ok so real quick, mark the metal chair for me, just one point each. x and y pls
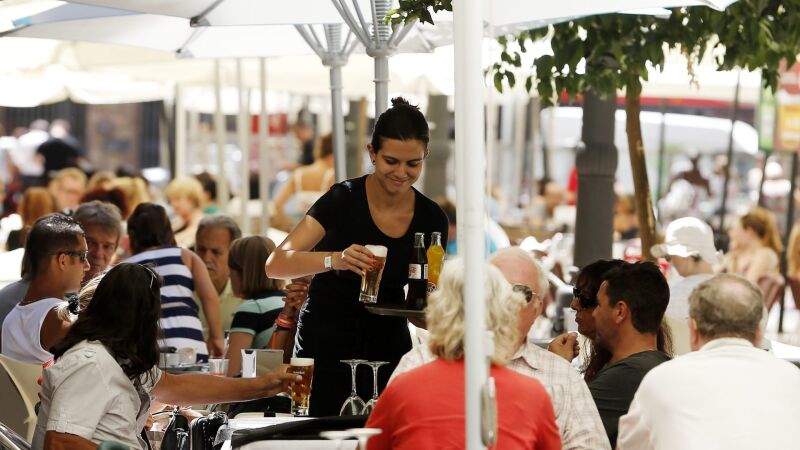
(18, 384)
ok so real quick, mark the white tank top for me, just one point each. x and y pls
(22, 329)
(306, 198)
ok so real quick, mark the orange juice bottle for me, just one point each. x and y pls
(435, 255)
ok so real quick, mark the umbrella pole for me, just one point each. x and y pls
(263, 149)
(381, 85)
(468, 32)
(219, 133)
(180, 134)
(786, 233)
(340, 159)
(244, 146)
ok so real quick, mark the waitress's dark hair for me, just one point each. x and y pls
(123, 315)
(148, 227)
(403, 122)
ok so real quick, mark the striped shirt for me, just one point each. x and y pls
(179, 312)
(256, 317)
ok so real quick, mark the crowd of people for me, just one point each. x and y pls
(109, 282)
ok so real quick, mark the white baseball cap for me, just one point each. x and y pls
(688, 236)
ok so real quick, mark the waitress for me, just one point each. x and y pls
(381, 208)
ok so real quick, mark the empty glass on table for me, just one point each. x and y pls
(374, 400)
(354, 404)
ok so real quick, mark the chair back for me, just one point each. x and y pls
(18, 384)
(9, 440)
(681, 344)
(772, 286)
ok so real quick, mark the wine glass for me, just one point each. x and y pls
(337, 436)
(363, 435)
(374, 400)
(354, 404)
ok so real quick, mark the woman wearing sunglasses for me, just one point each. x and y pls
(584, 302)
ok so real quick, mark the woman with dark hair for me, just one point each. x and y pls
(587, 283)
(381, 208)
(152, 242)
(105, 373)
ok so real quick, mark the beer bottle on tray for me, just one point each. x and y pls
(435, 256)
(417, 275)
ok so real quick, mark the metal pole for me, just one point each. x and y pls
(734, 115)
(180, 134)
(219, 133)
(468, 32)
(243, 129)
(337, 116)
(263, 149)
(381, 85)
(662, 142)
(786, 233)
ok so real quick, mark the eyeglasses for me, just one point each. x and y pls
(153, 274)
(526, 291)
(81, 255)
(586, 302)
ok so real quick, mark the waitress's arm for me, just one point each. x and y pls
(292, 259)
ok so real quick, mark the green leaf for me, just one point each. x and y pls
(498, 81)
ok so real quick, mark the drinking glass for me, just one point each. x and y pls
(217, 366)
(354, 404)
(301, 390)
(371, 280)
(374, 400)
(337, 436)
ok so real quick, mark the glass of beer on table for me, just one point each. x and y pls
(371, 281)
(300, 391)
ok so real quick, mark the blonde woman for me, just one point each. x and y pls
(36, 203)
(754, 245)
(186, 196)
(424, 407)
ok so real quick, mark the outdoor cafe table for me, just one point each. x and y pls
(258, 422)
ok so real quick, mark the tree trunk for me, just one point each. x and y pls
(644, 202)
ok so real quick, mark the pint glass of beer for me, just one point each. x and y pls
(371, 281)
(301, 390)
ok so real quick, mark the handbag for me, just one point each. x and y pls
(204, 431)
(176, 436)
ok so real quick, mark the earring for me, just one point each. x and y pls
(373, 162)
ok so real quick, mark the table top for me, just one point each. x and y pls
(258, 422)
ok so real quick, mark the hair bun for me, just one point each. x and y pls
(399, 101)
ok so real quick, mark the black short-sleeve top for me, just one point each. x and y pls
(344, 214)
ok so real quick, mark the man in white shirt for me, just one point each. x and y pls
(212, 244)
(576, 414)
(689, 247)
(57, 253)
(727, 394)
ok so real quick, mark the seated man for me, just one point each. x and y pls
(102, 223)
(212, 244)
(689, 247)
(727, 393)
(630, 306)
(57, 253)
(576, 415)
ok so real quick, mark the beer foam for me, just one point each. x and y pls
(377, 250)
(302, 362)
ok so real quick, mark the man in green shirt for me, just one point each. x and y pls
(212, 244)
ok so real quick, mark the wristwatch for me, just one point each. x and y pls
(328, 261)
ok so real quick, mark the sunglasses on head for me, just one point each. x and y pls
(585, 302)
(81, 255)
(524, 290)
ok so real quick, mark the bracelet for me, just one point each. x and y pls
(284, 321)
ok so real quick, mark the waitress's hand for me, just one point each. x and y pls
(355, 258)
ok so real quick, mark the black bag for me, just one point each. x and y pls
(204, 431)
(176, 436)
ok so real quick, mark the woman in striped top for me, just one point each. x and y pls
(152, 242)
